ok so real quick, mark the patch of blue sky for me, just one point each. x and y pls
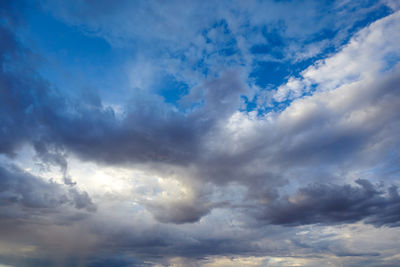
(228, 51)
(324, 34)
(54, 36)
(72, 59)
(221, 25)
(3, 21)
(329, 34)
(370, 17)
(171, 89)
(261, 49)
(391, 60)
(221, 37)
(270, 73)
(248, 105)
(219, 53)
(273, 36)
(202, 67)
(251, 105)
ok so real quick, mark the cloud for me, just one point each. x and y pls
(371, 51)
(187, 31)
(247, 183)
(220, 144)
(329, 203)
(22, 192)
(184, 211)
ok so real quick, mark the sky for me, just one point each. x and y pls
(199, 133)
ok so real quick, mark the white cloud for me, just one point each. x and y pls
(369, 53)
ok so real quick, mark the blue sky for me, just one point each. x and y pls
(199, 133)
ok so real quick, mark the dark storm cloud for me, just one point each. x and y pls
(149, 132)
(20, 191)
(159, 243)
(33, 112)
(116, 261)
(179, 212)
(332, 204)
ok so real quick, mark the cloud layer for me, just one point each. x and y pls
(205, 156)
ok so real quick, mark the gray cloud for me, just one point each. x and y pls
(330, 204)
(23, 192)
(180, 211)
